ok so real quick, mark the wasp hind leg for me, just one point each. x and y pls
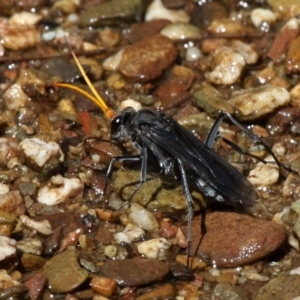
(214, 135)
(190, 209)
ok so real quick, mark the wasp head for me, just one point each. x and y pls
(120, 126)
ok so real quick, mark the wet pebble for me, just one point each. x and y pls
(264, 174)
(211, 100)
(227, 66)
(246, 239)
(287, 8)
(25, 18)
(7, 247)
(36, 285)
(129, 234)
(138, 31)
(285, 286)
(142, 217)
(181, 31)
(14, 97)
(227, 291)
(104, 286)
(112, 63)
(167, 200)
(43, 227)
(37, 153)
(260, 15)
(30, 245)
(154, 248)
(12, 202)
(63, 272)
(134, 272)
(31, 262)
(19, 37)
(253, 103)
(60, 189)
(292, 60)
(7, 223)
(103, 235)
(156, 10)
(109, 12)
(146, 60)
(14, 292)
(164, 291)
(178, 82)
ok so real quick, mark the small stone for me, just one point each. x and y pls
(154, 248)
(131, 233)
(181, 31)
(197, 263)
(7, 247)
(165, 291)
(156, 10)
(292, 61)
(104, 286)
(260, 15)
(37, 152)
(43, 227)
(253, 103)
(30, 245)
(135, 272)
(227, 66)
(130, 103)
(14, 97)
(224, 291)
(147, 59)
(36, 285)
(63, 272)
(112, 63)
(264, 174)
(11, 202)
(25, 18)
(7, 223)
(59, 190)
(287, 8)
(284, 286)
(31, 262)
(142, 217)
(109, 12)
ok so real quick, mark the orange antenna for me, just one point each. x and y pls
(96, 98)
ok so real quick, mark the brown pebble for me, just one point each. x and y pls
(104, 286)
(233, 239)
(135, 272)
(147, 59)
(292, 61)
(36, 285)
(160, 292)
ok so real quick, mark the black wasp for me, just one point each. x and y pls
(177, 151)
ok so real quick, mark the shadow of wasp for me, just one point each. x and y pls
(178, 151)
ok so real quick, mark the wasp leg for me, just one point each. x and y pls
(189, 207)
(110, 168)
(214, 134)
(143, 177)
(214, 131)
(239, 149)
(142, 157)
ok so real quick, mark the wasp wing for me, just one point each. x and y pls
(202, 161)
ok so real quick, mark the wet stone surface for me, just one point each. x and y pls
(63, 272)
(283, 287)
(146, 60)
(136, 272)
(233, 239)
